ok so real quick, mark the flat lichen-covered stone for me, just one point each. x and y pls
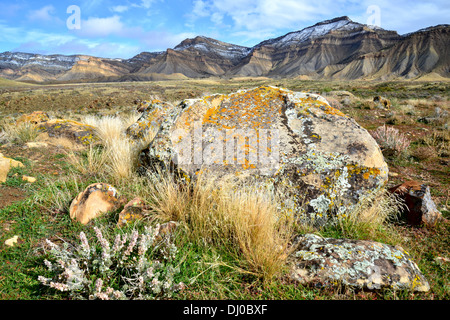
(79, 132)
(318, 158)
(360, 264)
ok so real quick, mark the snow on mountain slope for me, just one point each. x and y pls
(316, 31)
(20, 59)
(212, 46)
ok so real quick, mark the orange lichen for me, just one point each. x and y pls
(254, 108)
(308, 102)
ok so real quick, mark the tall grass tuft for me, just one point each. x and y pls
(370, 218)
(245, 221)
(119, 153)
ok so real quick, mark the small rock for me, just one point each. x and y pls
(95, 200)
(5, 165)
(12, 241)
(420, 208)
(133, 210)
(29, 179)
(36, 145)
(166, 229)
(442, 259)
(392, 174)
(383, 101)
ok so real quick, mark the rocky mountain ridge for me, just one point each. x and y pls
(333, 49)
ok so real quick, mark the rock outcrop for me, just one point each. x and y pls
(316, 157)
(360, 264)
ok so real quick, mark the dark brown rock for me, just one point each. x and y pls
(420, 208)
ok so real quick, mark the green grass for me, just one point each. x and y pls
(211, 269)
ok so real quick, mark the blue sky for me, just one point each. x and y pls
(122, 29)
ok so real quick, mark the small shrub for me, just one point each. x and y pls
(391, 141)
(135, 267)
(424, 152)
(439, 141)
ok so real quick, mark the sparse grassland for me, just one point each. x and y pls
(230, 245)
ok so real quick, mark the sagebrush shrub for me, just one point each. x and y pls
(134, 267)
(390, 139)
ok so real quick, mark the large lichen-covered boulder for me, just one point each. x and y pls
(361, 264)
(80, 133)
(150, 120)
(315, 156)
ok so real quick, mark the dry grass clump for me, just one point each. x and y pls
(23, 132)
(424, 153)
(89, 162)
(246, 221)
(439, 141)
(59, 193)
(118, 155)
(369, 215)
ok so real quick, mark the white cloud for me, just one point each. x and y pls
(146, 4)
(101, 27)
(44, 14)
(260, 16)
(406, 16)
(162, 40)
(119, 9)
(259, 19)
